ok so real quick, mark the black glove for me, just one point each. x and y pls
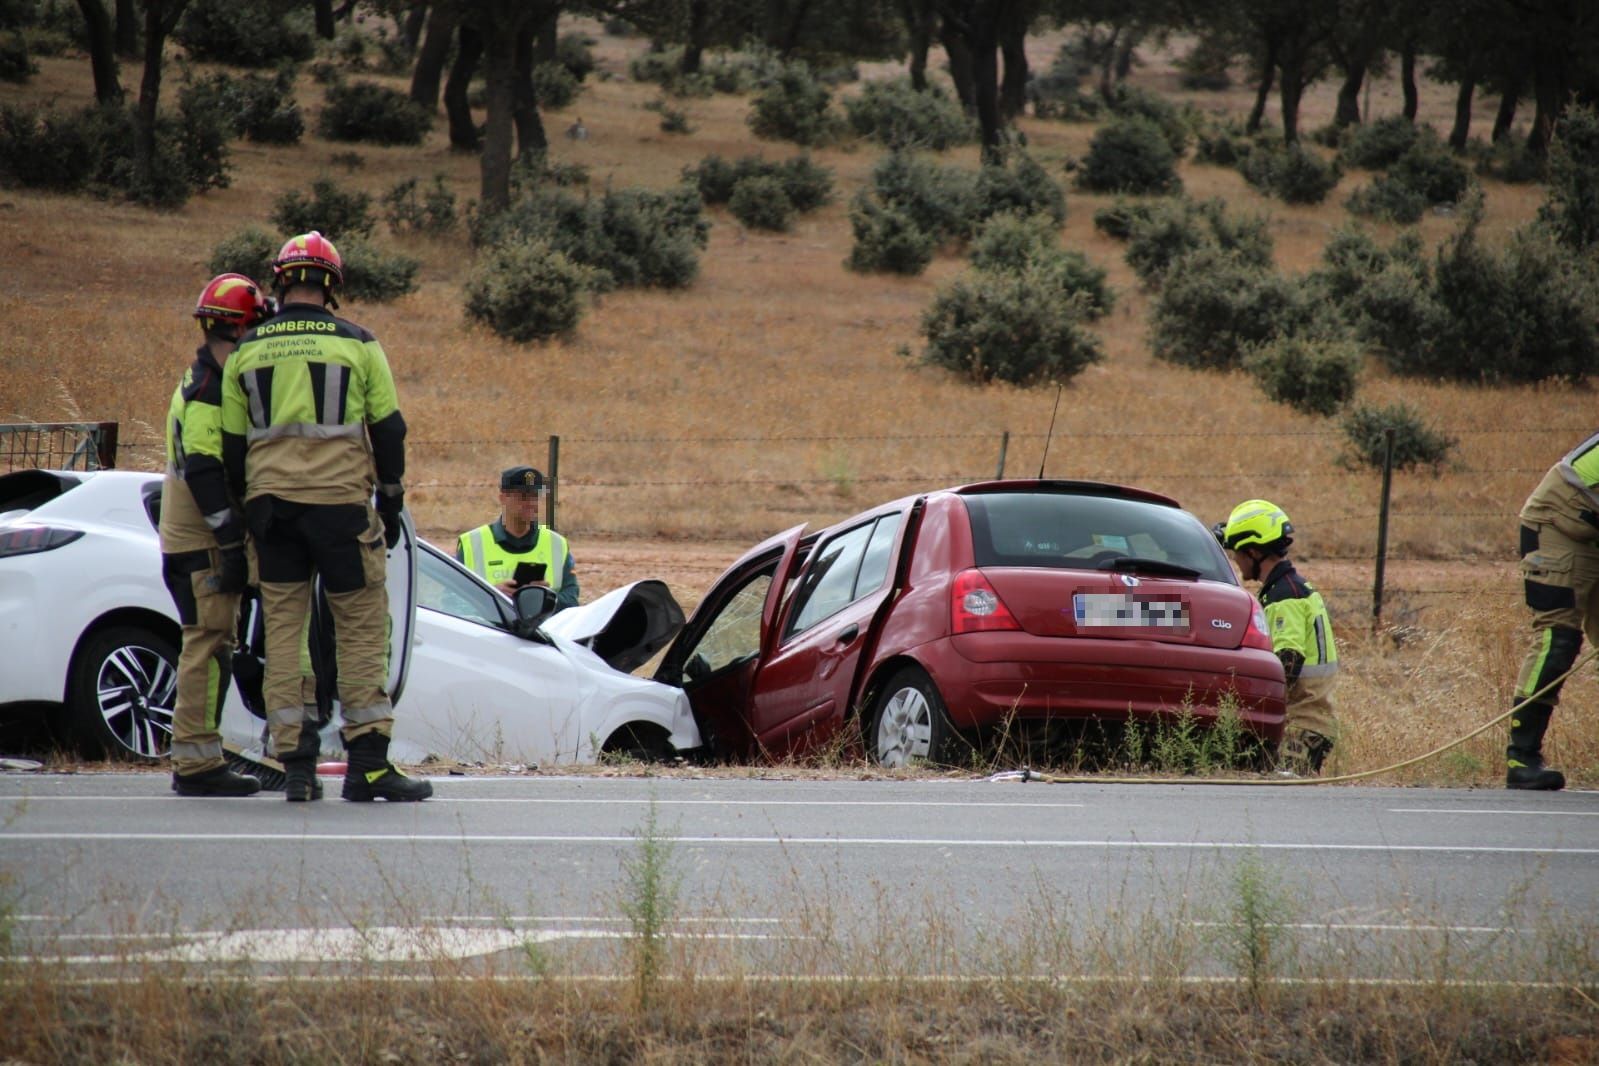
(233, 572)
(391, 501)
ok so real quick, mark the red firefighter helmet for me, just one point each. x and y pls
(231, 300)
(309, 258)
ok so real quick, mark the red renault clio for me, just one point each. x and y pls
(941, 616)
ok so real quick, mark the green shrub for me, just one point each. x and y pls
(575, 52)
(1397, 314)
(1223, 146)
(1205, 66)
(366, 111)
(246, 35)
(1572, 210)
(15, 64)
(1378, 145)
(656, 67)
(249, 252)
(1313, 376)
(1008, 326)
(1171, 229)
(555, 86)
(1118, 219)
(408, 209)
(1351, 258)
(262, 109)
(1056, 92)
(940, 201)
(1130, 155)
(807, 184)
(1388, 200)
(1021, 186)
(1415, 444)
(1511, 161)
(896, 115)
(1291, 173)
(372, 275)
(1214, 306)
(794, 106)
(761, 203)
(673, 119)
(1011, 241)
(1432, 170)
(887, 239)
(1133, 102)
(1070, 273)
(47, 149)
(627, 237)
(527, 291)
(334, 212)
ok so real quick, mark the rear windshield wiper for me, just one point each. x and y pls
(1150, 566)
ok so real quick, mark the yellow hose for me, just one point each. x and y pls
(1057, 779)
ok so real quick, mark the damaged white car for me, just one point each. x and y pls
(89, 638)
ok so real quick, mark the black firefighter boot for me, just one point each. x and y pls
(300, 784)
(369, 775)
(1524, 757)
(218, 781)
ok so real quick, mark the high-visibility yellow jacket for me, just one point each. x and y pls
(196, 513)
(1301, 629)
(492, 554)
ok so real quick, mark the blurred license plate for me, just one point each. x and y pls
(1119, 609)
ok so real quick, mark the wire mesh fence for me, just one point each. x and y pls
(58, 445)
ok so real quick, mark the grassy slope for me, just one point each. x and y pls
(777, 339)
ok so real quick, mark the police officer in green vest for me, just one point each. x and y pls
(1258, 534)
(1560, 573)
(494, 551)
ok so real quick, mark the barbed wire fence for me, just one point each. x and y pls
(99, 440)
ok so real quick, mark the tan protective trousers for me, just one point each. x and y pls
(1560, 568)
(205, 669)
(1310, 707)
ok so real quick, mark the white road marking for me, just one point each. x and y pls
(1458, 810)
(436, 802)
(778, 841)
(1340, 927)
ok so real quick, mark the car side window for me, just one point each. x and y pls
(735, 633)
(443, 588)
(879, 553)
(829, 582)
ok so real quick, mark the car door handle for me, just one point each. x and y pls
(849, 634)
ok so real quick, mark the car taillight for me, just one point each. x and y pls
(976, 607)
(1256, 636)
(26, 540)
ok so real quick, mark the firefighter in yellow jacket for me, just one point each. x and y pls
(1560, 572)
(494, 551)
(311, 426)
(1258, 535)
(203, 561)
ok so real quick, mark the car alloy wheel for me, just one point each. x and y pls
(909, 725)
(125, 686)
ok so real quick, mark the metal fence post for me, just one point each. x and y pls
(106, 445)
(1382, 526)
(1004, 443)
(554, 480)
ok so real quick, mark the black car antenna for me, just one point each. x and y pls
(1051, 432)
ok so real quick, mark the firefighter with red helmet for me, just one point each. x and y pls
(311, 428)
(203, 560)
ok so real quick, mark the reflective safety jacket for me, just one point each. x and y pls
(1300, 628)
(484, 551)
(309, 411)
(196, 513)
(1580, 468)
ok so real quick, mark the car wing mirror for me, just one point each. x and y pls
(533, 604)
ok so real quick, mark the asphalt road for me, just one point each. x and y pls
(101, 869)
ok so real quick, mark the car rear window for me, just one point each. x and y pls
(1070, 531)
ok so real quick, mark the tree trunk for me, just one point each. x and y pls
(1292, 90)
(699, 15)
(1107, 67)
(793, 31)
(1407, 79)
(159, 18)
(431, 56)
(1549, 94)
(463, 131)
(985, 82)
(499, 70)
(127, 29)
(547, 37)
(1013, 89)
(1462, 127)
(102, 53)
(530, 138)
(324, 18)
(1505, 117)
(1257, 113)
(919, 33)
(1348, 112)
(411, 29)
(960, 67)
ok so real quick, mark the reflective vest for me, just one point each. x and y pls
(494, 563)
(1297, 619)
(1580, 467)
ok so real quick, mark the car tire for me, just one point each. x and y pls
(121, 695)
(909, 723)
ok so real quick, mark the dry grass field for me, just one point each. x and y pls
(770, 392)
